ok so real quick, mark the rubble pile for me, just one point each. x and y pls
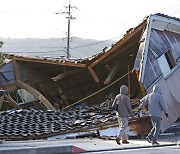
(34, 124)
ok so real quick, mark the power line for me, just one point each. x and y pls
(175, 12)
(91, 44)
(60, 47)
(173, 8)
(34, 47)
(171, 5)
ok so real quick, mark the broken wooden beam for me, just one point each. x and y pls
(36, 93)
(93, 74)
(65, 74)
(143, 90)
(112, 73)
(16, 69)
(129, 84)
(11, 101)
(122, 50)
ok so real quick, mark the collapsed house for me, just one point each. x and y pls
(147, 54)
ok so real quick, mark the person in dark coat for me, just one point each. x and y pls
(156, 105)
(124, 110)
(58, 102)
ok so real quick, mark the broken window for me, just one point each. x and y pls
(170, 59)
(166, 62)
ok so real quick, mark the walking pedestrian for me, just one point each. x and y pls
(122, 101)
(156, 105)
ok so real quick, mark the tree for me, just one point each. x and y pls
(1, 43)
(1, 55)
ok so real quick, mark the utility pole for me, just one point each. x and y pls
(69, 17)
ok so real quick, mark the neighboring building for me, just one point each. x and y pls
(147, 54)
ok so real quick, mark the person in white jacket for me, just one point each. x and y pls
(156, 106)
(124, 110)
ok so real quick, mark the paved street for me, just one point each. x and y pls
(152, 150)
(168, 144)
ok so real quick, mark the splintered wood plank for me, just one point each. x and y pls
(11, 101)
(36, 93)
(65, 74)
(143, 90)
(93, 74)
(112, 73)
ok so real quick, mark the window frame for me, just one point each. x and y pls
(170, 61)
(170, 58)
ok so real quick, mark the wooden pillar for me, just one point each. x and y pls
(129, 84)
(143, 90)
(16, 71)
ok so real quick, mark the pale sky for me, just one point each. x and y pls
(95, 19)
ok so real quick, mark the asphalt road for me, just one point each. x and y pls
(152, 150)
(168, 145)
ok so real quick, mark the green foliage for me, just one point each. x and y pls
(1, 55)
(1, 59)
(1, 43)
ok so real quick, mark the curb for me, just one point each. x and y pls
(44, 150)
(128, 148)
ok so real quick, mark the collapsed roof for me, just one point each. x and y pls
(74, 80)
(91, 80)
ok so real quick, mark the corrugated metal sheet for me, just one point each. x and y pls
(171, 91)
(159, 43)
(164, 36)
